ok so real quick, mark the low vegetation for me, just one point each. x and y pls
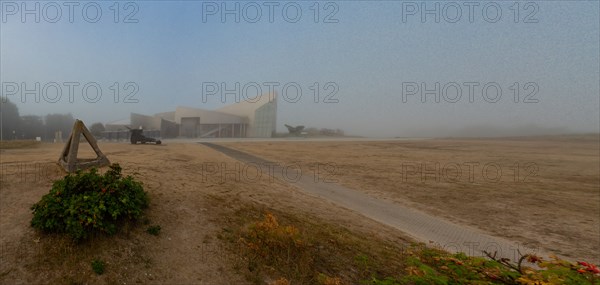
(304, 252)
(87, 203)
(153, 230)
(431, 266)
(286, 249)
(98, 266)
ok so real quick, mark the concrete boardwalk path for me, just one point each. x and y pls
(421, 226)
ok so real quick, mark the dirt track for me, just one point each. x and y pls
(417, 224)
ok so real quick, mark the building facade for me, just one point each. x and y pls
(244, 119)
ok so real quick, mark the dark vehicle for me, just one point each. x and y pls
(137, 136)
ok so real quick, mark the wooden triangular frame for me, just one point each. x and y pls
(68, 158)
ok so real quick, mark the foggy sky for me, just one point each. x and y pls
(367, 56)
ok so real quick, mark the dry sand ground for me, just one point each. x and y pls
(542, 192)
(186, 200)
(558, 208)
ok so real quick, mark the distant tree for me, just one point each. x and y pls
(59, 122)
(32, 127)
(10, 120)
(96, 129)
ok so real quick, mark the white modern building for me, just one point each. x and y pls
(244, 119)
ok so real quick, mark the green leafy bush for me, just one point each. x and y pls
(98, 266)
(87, 202)
(153, 230)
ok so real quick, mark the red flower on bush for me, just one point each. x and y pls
(588, 267)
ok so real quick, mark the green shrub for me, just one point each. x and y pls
(98, 266)
(153, 230)
(86, 202)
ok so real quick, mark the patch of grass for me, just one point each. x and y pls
(153, 230)
(302, 250)
(290, 249)
(98, 266)
(425, 265)
(16, 144)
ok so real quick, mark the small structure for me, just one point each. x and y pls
(295, 131)
(68, 158)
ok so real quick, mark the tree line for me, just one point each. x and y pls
(29, 127)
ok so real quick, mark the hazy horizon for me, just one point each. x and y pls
(370, 61)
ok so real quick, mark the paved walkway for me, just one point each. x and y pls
(421, 226)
